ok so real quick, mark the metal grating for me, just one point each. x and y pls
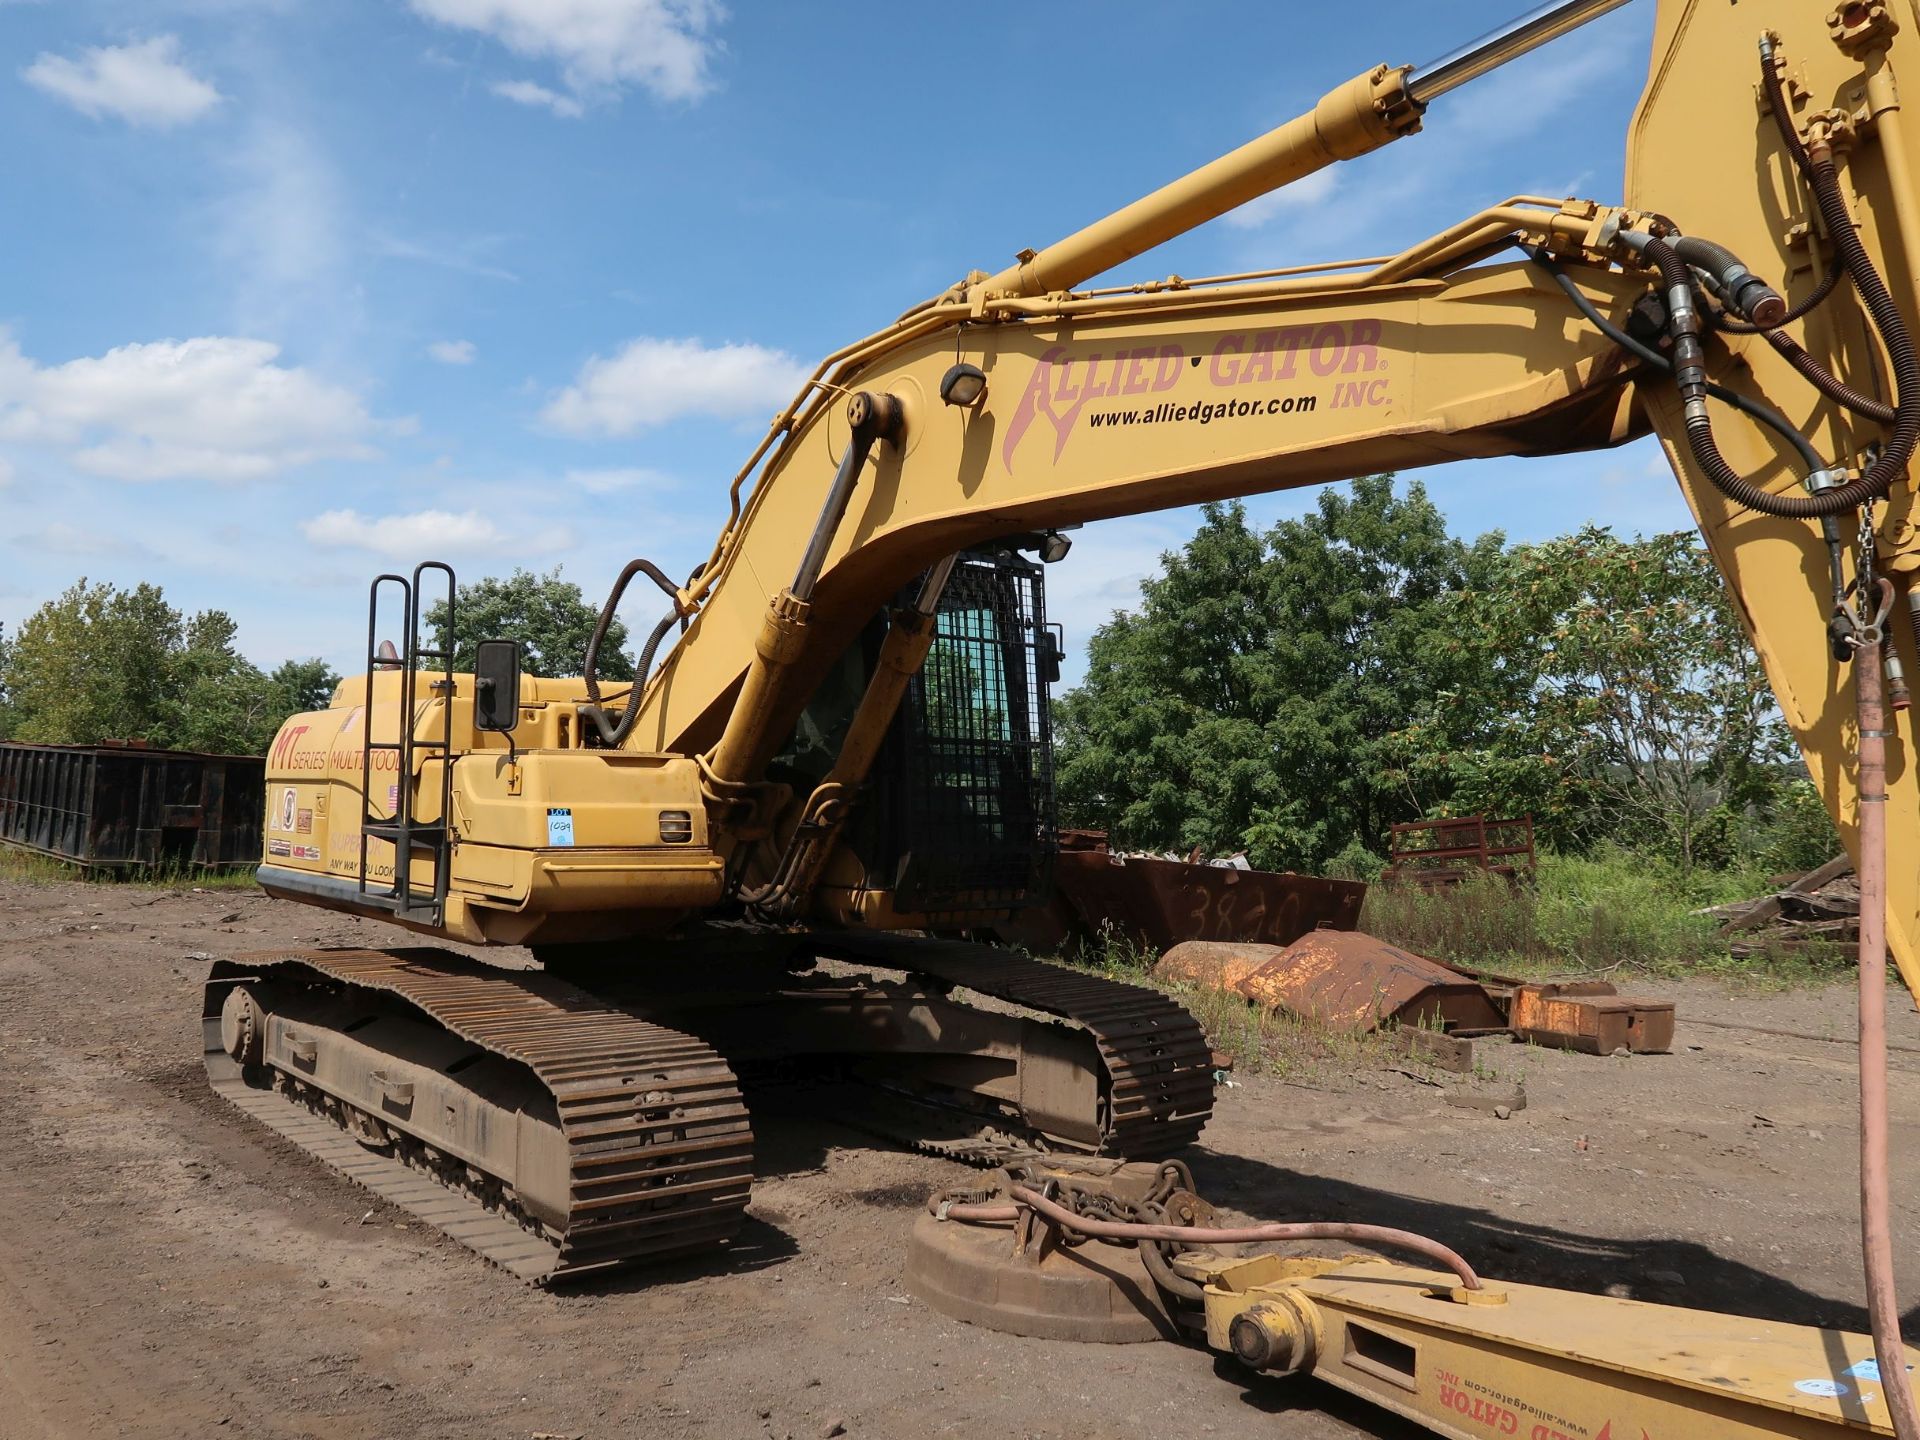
(966, 776)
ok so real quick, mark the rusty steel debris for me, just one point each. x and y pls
(1591, 1017)
(1344, 979)
(1815, 913)
(1435, 854)
(1154, 903)
(1349, 980)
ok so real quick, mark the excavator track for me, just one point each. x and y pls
(652, 1132)
(1158, 1094)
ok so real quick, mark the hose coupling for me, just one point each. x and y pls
(1824, 480)
(1898, 697)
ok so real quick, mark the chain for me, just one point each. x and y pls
(1863, 622)
(1863, 566)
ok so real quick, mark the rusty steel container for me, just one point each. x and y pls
(1155, 904)
(128, 808)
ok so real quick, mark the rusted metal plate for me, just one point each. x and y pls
(1592, 1017)
(1351, 981)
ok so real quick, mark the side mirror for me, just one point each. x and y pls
(496, 686)
(1053, 651)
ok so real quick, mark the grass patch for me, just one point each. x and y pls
(31, 868)
(1593, 915)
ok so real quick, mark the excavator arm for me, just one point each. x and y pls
(1110, 402)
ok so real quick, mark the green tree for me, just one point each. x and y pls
(1255, 698)
(303, 685)
(101, 663)
(6, 699)
(549, 616)
(93, 664)
(213, 698)
(1643, 693)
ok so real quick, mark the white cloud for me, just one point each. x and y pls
(278, 237)
(601, 46)
(403, 535)
(607, 482)
(651, 381)
(143, 83)
(212, 408)
(452, 352)
(526, 92)
(6, 472)
(1310, 190)
(426, 532)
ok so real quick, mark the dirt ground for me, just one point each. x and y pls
(172, 1269)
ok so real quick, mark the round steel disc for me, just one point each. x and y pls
(1092, 1292)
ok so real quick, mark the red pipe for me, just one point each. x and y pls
(1130, 1232)
(1876, 1228)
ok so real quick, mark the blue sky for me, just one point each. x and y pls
(300, 290)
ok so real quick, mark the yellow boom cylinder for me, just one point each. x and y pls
(1364, 114)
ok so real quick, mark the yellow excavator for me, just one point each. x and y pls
(834, 760)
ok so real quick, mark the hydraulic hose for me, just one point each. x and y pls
(1128, 1232)
(1876, 1228)
(1766, 415)
(1815, 163)
(1835, 273)
(1892, 462)
(1827, 383)
(1689, 373)
(1739, 287)
(595, 709)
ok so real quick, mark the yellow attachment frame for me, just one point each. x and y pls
(1531, 1363)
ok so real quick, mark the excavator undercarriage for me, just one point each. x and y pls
(560, 1126)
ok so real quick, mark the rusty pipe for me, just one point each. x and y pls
(1876, 1228)
(1129, 1232)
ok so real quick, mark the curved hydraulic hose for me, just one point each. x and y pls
(1816, 163)
(595, 708)
(1689, 374)
(1127, 1232)
(1827, 383)
(1766, 415)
